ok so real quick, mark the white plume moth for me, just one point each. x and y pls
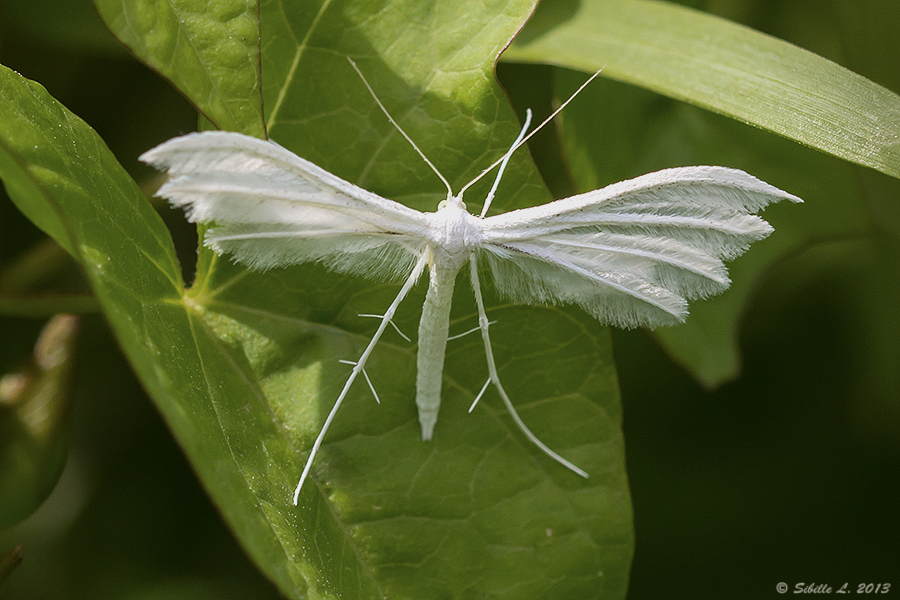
(630, 254)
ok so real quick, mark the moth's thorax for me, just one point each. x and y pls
(453, 232)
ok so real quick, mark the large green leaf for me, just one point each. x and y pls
(244, 365)
(722, 66)
(209, 50)
(54, 164)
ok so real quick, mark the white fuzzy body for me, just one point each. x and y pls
(453, 235)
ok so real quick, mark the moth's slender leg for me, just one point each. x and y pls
(495, 378)
(360, 365)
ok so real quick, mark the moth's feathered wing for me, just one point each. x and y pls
(633, 253)
(273, 208)
(630, 254)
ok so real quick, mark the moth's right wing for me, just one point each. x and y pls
(272, 208)
(633, 253)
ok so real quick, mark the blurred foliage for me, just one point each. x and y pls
(9, 561)
(128, 518)
(788, 473)
(34, 419)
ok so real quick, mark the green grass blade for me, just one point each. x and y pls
(725, 67)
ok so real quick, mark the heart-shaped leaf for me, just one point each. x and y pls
(244, 365)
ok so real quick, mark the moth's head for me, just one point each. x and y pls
(452, 201)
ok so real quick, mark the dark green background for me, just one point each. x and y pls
(788, 474)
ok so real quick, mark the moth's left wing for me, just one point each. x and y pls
(272, 208)
(632, 253)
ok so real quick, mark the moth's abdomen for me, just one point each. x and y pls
(432, 345)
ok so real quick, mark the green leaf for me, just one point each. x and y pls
(54, 164)
(209, 50)
(244, 366)
(725, 67)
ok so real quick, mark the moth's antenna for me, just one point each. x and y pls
(519, 143)
(400, 129)
(509, 153)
